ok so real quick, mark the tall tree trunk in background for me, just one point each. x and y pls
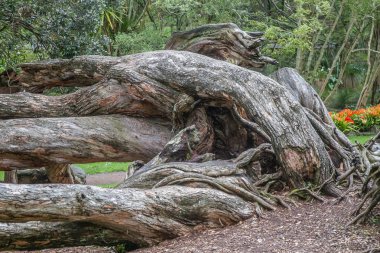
(373, 66)
(10, 177)
(300, 55)
(375, 88)
(345, 62)
(328, 37)
(376, 83)
(316, 38)
(337, 55)
(300, 60)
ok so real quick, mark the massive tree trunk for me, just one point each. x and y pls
(213, 139)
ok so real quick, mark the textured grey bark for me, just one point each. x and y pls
(226, 42)
(38, 235)
(28, 143)
(40, 176)
(302, 91)
(142, 217)
(36, 77)
(298, 148)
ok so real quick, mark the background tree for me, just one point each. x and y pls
(32, 29)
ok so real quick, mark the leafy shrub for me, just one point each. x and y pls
(344, 98)
(357, 120)
(45, 28)
(149, 39)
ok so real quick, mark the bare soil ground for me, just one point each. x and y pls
(105, 178)
(310, 227)
(307, 227)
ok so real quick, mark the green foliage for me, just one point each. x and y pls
(183, 14)
(148, 39)
(108, 185)
(364, 123)
(287, 42)
(344, 98)
(177, 12)
(345, 126)
(57, 91)
(290, 30)
(40, 28)
(121, 17)
(126, 247)
(375, 220)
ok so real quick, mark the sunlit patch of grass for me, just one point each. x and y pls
(360, 138)
(103, 167)
(108, 185)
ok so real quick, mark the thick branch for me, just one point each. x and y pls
(40, 142)
(133, 95)
(144, 217)
(42, 235)
(79, 71)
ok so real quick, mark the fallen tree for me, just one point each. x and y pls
(214, 139)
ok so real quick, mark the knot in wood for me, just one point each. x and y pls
(183, 104)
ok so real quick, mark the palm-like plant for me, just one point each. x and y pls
(122, 18)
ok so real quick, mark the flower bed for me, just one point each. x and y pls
(362, 120)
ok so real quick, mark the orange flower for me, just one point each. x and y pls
(348, 119)
(374, 110)
(345, 112)
(360, 111)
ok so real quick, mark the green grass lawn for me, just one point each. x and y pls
(103, 167)
(360, 138)
(96, 168)
(107, 185)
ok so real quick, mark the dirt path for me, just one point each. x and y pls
(309, 227)
(105, 178)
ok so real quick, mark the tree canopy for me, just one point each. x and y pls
(333, 43)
